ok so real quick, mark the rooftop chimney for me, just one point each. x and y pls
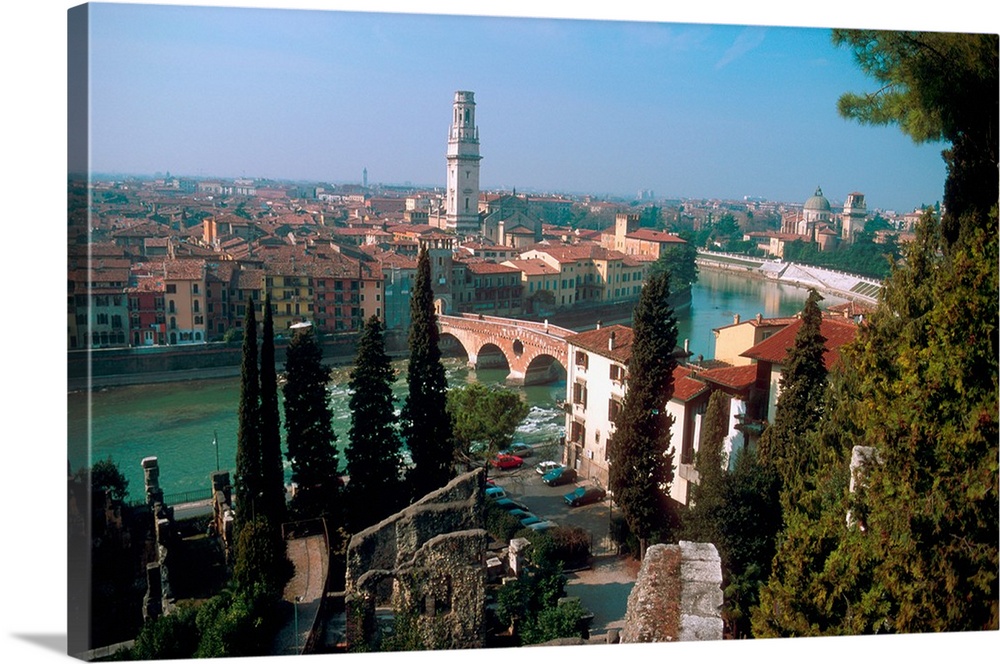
(611, 340)
(598, 325)
(759, 318)
(736, 319)
(686, 346)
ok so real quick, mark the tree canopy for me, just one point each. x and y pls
(484, 418)
(309, 429)
(640, 455)
(374, 459)
(425, 422)
(912, 546)
(248, 459)
(927, 81)
(272, 471)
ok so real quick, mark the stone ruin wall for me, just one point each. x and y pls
(699, 606)
(433, 553)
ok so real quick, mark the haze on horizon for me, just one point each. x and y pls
(563, 105)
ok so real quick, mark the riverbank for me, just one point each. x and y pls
(852, 287)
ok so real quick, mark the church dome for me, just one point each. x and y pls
(817, 202)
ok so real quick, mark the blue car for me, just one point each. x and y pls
(584, 495)
(559, 476)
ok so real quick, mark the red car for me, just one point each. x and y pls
(507, 461)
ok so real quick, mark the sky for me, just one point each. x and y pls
(563, 105)
(517, 134)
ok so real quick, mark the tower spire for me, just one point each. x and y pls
(462, 202)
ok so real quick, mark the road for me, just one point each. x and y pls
(605, 587)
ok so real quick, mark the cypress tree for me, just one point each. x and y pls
(272, 472)
(800, 402)
(248, 468)
(707, 496)
(640, 455)
(426, 425)
(374, 461)
(309, 430)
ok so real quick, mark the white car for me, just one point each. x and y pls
(546, 466)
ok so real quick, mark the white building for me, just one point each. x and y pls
(595, 390)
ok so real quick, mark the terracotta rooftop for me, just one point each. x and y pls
(650, 235)
(533, 267)
(596, 341)
(686, 387)
(774, 349)
(763, 322)
(485, 267)
(737, 378)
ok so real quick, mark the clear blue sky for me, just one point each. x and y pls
(683, 109)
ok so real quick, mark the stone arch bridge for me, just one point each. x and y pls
(530, 349)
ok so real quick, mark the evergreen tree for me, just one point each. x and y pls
(309, 431)
(426, 425)
(484, 416)
(640, 455)
(920, 549)
(707, 496)
(374, 461)
(272, 472)
(248, 468)
(262, 558)
(926, 80)
(800, 401)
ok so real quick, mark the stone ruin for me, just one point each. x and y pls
(426, 564)
(159, 598)
(222, 510)
(691, 591)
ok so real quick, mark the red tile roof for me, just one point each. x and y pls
(650, 235)
(533, 267)
(738, 378)
(596, 341)
(686, 387)
(774, 349)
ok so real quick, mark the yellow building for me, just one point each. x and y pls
(733, 340)
(184, 300)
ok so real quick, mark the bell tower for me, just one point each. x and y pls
(462, 204)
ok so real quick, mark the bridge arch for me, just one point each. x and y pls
(531, 349)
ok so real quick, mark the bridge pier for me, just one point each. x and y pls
(515, 378)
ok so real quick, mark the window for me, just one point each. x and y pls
(194, 288)
(102, 319)
(197, 306)
(617, 373)
(171, 288)
(614, 408)
(580, 394)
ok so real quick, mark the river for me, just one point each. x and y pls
(178, 422)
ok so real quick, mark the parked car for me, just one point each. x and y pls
(507, 461)
(511, 504)
(547, 466)
(542, 525)
(585, 495)
(519, 449)
(495, 492)
(559, 476)
(525, 517)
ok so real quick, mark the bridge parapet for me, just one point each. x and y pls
(527, 346)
